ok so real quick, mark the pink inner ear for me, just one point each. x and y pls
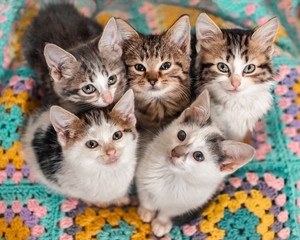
(228, 167)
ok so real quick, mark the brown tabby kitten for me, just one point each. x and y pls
(85, 68)
(158, 71)
(235, 66)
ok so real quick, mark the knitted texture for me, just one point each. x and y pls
(259, 201)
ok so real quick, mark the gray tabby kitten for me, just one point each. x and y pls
(85, 69)
(90, 156)
(184, 165)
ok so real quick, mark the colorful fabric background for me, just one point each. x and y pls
(260, 201)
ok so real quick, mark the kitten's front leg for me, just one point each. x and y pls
(120, 202)
(161, 225)
(146, 210)
(145, 214)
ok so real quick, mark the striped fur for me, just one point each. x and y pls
(89, 59)
(160, 94)
(239, 99)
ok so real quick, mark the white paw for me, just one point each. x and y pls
(102, 204)
(122, 201)
(145, 214)
(160, 228)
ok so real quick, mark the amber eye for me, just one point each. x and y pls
(181, 135)
(165, 66)
(140, 67)
(117, 135)
(198, 156)
(91, 144)
(112, 80)
(249, 68)
(223, 67)
(88, 89)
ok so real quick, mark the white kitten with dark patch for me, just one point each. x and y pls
(184, 165)
(235, 66)
(85, 68)
(91, 156)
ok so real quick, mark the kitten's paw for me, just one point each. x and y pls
(160, 228)
(145, 214)
(122, 201)
(102, 204)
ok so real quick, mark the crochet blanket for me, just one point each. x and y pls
(260, 201)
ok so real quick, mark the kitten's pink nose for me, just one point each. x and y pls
(235, 81)
(107, 98)
(178, 151)
(111, 152)
(152, 81)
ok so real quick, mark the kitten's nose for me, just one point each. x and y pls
(178, 151)
(107, 98)
(235, 81)
(111, 152)
(152, 81)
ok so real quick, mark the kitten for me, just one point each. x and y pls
(85, 69)
(90, 156)
(184, 165)
(158, 71)
(235, 66)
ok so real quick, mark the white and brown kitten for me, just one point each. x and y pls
(85, 68)
(158, 71)
(235, 66)
(184, 165)
(91, 156)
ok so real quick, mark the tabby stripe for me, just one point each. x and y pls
(206, 65)
(246, 42)
(266, 66)
(84, 66)
(179, 78)
(68, 93)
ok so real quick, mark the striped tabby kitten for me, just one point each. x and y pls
(90, 156)
(85, 69)
(158, 71)
(235, 66)
(183, 167)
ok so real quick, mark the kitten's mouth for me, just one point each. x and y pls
(235, 90)
(154, 89)
(111, 161)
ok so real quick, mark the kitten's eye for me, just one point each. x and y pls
(249, 68)
(198, 156)
(140, 67)
(91, 144)
(112, 80)
(117, 135)
(88, 89)
(181, 135)
(223, 67)
(165, 66)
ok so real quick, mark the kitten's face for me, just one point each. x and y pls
(92, 73)
(194, 147)
(104, 137)
(157, 65)
(234, 61)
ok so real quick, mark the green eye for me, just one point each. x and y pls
(165, 66)
(223, 67)
(140, 67)
(91, 144)
(181, 135)
(88, 89)
(249, 68)
(117, 135)
(198, 156)
(112, 80)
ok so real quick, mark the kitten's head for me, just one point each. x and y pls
(91, 73)
(195, 148)
(157, 65)
(96, 135)
(234, 61)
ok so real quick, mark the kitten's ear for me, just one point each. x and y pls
(266, 33)
(180, 33)
(199, 111)
(126, 31)
(237, 154)
(110, 39)
(206, 31)
(60, 62)
(63, 123)
(125, 108)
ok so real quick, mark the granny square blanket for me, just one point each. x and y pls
(259, 201)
